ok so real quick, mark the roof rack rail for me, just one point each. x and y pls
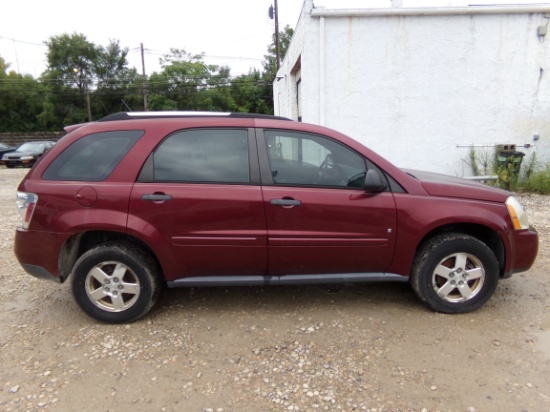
(182, 114)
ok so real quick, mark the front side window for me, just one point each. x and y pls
(92, 158)
(208, 156)
(306, 159)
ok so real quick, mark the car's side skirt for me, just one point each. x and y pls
(286, 279)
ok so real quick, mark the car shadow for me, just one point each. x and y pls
(283, 299)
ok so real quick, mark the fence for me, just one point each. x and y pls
(16, 139)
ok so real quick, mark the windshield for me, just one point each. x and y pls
(31, 147)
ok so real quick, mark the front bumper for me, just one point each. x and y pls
(18, 162)
(525, 244)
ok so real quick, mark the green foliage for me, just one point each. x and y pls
(508, 174)
(20, 100)
(188, 83)
(71, 59)
(472, 161)
(538, 182)
(252, 94)
(160, 102)
(512, 173)
(79, 71)
(536, 177)
(270, 62)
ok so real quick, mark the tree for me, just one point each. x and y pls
(270, 63)
(113, 79)
(256, 93)
(79, 69)
(72, 59)
(82, 74)
(20, 101)
(251, 94)
(188, 83)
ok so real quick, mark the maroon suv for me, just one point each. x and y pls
(137, 200)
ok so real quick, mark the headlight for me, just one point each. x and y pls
(27, 157)
(517, 213)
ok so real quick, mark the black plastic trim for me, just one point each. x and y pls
(265, 168)
(286, 279)
(40, 272)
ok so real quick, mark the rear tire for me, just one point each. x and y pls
(454, 273)
(116, 282)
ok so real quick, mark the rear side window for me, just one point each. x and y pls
(207, 156)
(93, 157)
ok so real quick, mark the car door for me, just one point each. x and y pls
(198, 196)
(320, 220)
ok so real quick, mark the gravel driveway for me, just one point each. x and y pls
(370, 347)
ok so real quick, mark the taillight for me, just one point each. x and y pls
(26, 203)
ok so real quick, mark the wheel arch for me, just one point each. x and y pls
(80, 243)
(483, 233)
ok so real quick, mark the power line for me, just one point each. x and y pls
(22, 41)
(159, 78)
(207, 56)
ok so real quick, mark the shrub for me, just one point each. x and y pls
(537, 182)
(532, 176)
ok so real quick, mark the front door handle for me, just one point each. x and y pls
(156, 197)
(285, 202)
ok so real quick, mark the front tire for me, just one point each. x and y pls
(116, 282)
(454, 273)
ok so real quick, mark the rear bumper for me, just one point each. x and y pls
(38, 252)
(40, 272)
(525, 249)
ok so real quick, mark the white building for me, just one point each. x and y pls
(421, 86)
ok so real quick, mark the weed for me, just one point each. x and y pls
(512, 174)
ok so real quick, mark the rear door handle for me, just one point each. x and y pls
(156, 197)
(285, 202)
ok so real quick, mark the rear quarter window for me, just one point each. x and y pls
(92, 158)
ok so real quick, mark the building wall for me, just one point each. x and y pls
(422, 89)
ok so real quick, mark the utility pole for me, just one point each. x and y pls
(277, 35)
(144, 79)
(274, 14)
(88, 100)
(84, 81)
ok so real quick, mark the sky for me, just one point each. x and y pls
(235, 33)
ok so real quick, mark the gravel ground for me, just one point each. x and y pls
(367, 347)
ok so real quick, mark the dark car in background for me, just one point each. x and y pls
(4, 148)
(27, 154)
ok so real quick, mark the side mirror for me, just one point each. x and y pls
(374, 182)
